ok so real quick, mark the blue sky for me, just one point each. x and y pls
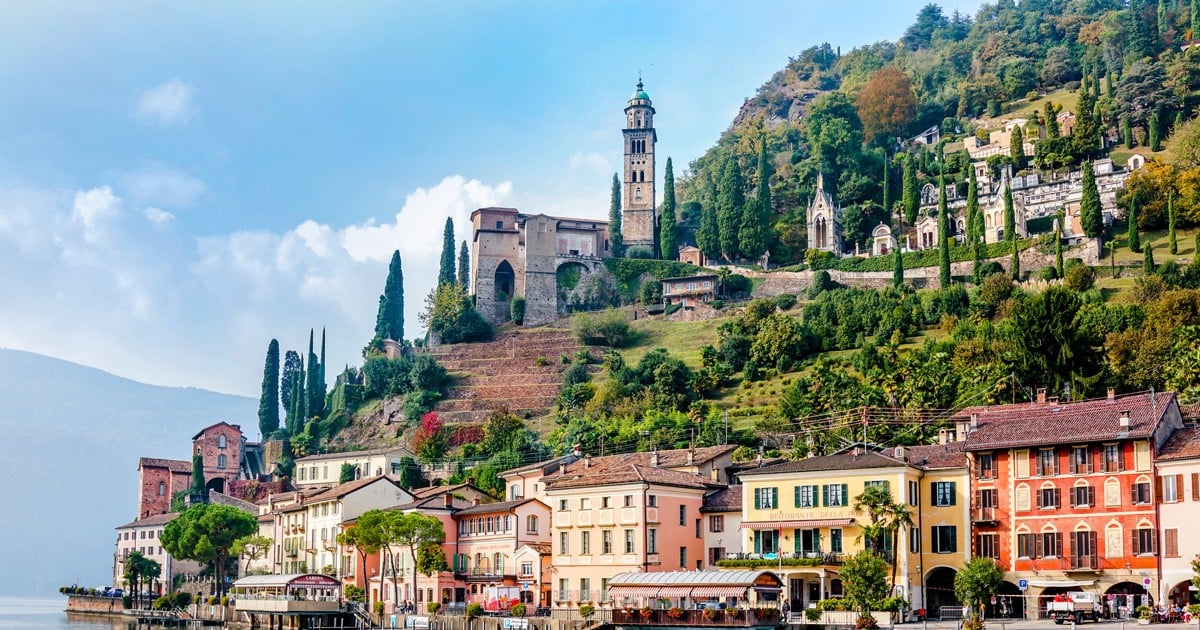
(181, 182)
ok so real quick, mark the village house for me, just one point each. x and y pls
(722, 520)
(692, 255)
(689, 291)
(1177, 489)
(158, 481)
(489, 536)
(1064, 494)
(222, 448)
(325, 469)
(402, 582)
(144, 536)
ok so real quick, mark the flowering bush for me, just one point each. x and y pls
(645, 612)
(733, 613)
(675, 612)
(766, 613)
(710, 614)
(865, 622)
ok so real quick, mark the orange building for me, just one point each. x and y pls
(1064, 496)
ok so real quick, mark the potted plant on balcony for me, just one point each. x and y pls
(710, 614)
(645, 612)
(675, 612)
(733, 613)
(586, 610)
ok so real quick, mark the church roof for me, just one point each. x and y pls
(640, 93)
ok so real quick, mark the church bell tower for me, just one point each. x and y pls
(638, 220)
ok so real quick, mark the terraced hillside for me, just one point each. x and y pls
(521, 371)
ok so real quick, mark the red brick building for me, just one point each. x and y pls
(158, 481)
(222, 448)
(1064, 495)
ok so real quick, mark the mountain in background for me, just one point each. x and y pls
(72, 436)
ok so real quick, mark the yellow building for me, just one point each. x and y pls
(798, 517)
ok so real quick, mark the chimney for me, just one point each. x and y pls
(943, 436)
(577, 450)
(448, 500)
(587, 461)
(974, 421)
(562, 468)
(1124, 420)
(474, 501)
(654, 459)
(691, 458)
(857, 450)
(1112, 394)
(1041, 395)
(1053, 400)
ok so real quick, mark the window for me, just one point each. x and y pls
(683, 515)
(531, 524)
(1170, 488)
(835, 495)
(1141, 493)
(302, 471)
(987, 546)
(651, 540)
(944, 493)
(1052, 546)
(1143, 541)
(985, 466)
(652, 500)
(222, 441)
(1027, 545)
(605, 502)
(514, 492)
(1049, 498)
(945, 538)
(835, 540)
(221, 462)
(629, 541)
(526, 569)
(585, 504)
(563, 590)
(606, 541)
(766, 541)
(766, 498)
(806, 496)
(1083, 550)
(987, 498)
(585, 543)
(716, 523)
(564, 543)
(715, 554)
(683, 557)
(1171, 543)
(1081, 460)
(914, 540)
(1047, 463)
(585, 589)
(162, 488)
(499, 225)
(698, 534)
(629, 500)
(1083, 496)
(563, 505)
(914, 493)
(1113, 462)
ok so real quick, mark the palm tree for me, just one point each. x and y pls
(886, 520)
(897, 518)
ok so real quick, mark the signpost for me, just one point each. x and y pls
(1023, 584)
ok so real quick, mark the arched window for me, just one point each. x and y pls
(162, 488)
(221, 462)
(221, 441)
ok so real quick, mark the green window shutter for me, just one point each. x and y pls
(757, 506)
(825, 496)
(757, 541)
(953, 492)
(796, 490)
(775, 498)
(887, 485)
(845, 494)
(796, 547)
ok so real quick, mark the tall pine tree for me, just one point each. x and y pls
(616, 238)
(1010, 216)
(1172, 244)
(292, 366)
(731, 199)
(752, 235)
(708, 235)
(911, 197)
(268, 402)
(666, 224)
(943, 226)
(1153, 132)
(1134, 239)
(1089, 206)
(389, 321)
(464, 266)
(446, 273)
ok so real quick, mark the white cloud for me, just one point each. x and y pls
(161, 185)
(92, 209)
(166, 104)
(158, 216)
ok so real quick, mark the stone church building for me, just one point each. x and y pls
(527, 255)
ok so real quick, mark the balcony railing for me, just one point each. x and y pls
(797, 559)
(1081, 563)
(695, 618)
(984, 515)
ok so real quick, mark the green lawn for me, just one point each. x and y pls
(1186, 239)
(683, 339)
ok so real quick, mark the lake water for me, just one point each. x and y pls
(46, 613)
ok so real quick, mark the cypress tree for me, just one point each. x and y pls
(1148, 258)
(974, 217)
(1096, 81)
(1010, 218)
(322, 381)
(911, 197)
(1134, 239)
(1058, 257)
(1172, 244)
(752, 235)
(1089, 206)
(1016, 148)
(943, 226)
(666, 239)
(1086, 138)
(1178, 121)
(1162, 24)
(316, 397)
(1016, 262)
(731, 198)
(446, 268)
(268, 402)
(886, 206)
(291, 371)
(1051, 121)
(464, 266)
(1108, 83)
(897, 267)
(708, 235)
(1127, 133)
(977, 262)
(615, 237)
(389, 321)
(198, 487)
(1152, 125)
(1195, 19)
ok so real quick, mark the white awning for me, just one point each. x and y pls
(1061, 583)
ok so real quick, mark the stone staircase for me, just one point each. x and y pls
(505, 374)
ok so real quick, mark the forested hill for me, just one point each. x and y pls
(834, 111)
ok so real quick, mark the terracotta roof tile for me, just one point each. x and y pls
(342, 490)
(614, 472)
(151, 521)
(1184, 444)
(933, 456)
(727, 499)
(1033, 424)
(491, 508)
(345, 454)
(174, 465)
(845, 460)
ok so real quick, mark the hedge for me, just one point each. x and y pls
(928, 257)
(763, 562)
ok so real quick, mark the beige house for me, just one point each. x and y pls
(489, 537)
(1177, 468)
(144, 536)
(325, 469)
(327, 510)
(721, 517)
(689, 290)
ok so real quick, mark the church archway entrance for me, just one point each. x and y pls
(504, 281)
(215, 485)
(939, 591)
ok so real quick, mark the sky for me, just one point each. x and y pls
(182, 182)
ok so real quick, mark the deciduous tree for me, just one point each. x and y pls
(976, 583)
(886, 105)
(252, 547)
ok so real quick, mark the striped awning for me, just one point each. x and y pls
(718, 591)
(674, 591)
(633, 591)
(809, 524)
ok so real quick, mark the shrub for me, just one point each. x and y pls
(434, 607)
(717, 304)
(1032, 95)
(675, 612)
(819, 259)
(127, 602)
(212, 600)
(518, 610)
(474, 610)
(1143, 612)
(812, 614)
(163, 603)
(609, 328)
(651, 292)
(821, 283)
(785, 301)
(354, 593)
(516, 310)
(379, 608)
(1079, 278)
(639, 251)
(224, 600)
(1047, 273)
(865, 622)
(586, 611)
(183, 600)
(541, 361)
(735, 284)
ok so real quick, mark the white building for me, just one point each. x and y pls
(1177, 468)
(721, 517)
(144, 536)
(326, 469)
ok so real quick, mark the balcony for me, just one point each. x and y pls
(984, 515)
(1081, 563)
(768, 560)
(482, 574)
(733, 617)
